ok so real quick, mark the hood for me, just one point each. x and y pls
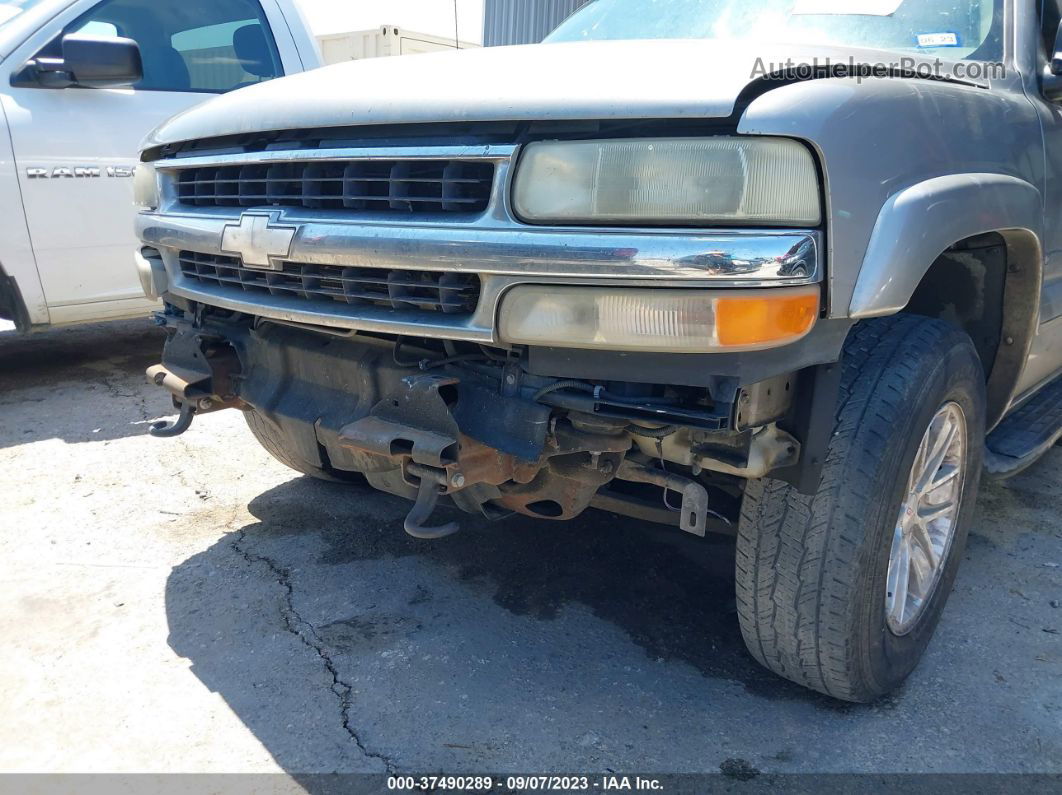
(600, 80)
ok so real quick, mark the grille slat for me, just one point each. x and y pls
(431, 291)
(423, 186)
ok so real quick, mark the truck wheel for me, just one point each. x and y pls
(841, 591)
(271, 439)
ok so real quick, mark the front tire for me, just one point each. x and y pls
(818, 577)
(270, 437)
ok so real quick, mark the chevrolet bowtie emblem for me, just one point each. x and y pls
(258, 241)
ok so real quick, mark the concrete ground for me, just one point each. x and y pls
(191, 605)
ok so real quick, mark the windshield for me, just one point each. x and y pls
(9, 9)
(946, 29)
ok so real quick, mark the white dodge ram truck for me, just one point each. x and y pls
(84, 81)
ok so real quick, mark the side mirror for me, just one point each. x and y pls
(98, 62)
(1051, 79)
(1056, 55)
(88, 62)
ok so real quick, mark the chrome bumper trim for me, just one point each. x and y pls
(721, 259)
(503, 257)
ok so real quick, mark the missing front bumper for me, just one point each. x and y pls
(481, 437)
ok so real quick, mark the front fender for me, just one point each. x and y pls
(917, 224)
(878, 138)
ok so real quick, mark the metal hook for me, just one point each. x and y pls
(427, 499)
(165, 429)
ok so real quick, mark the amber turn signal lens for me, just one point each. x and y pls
(686, 320)
(768, 316)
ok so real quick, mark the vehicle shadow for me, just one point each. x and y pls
(554, 607)
(90, 378)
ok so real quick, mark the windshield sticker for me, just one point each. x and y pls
(867, 8)
(927, 40)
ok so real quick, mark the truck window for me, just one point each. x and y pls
(1050, 16)
(948, 29)
(105, 29)
(207, 46)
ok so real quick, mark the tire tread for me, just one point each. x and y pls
(796, 553)
(269, 436)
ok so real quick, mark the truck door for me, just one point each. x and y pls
(76, 148)
(1045, 360)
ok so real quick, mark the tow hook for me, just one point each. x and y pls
(193, 393)
(432, 481)
(427, 453)
(165, 429)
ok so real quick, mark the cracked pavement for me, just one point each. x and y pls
(191, 605)
(307, 633)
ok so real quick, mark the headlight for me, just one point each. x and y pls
(692, 180)
(146, 187)
(656, 319)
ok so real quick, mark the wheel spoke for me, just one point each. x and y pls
(939, 450)
(921, 574)
(923, 538)
(930, 513)
(918, 467)
(944, 476)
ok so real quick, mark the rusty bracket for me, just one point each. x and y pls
(200, 371)
(193, 394)
(413, 428)
(413, 421)
(694, 513)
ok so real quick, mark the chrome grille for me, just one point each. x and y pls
(432, 291)
(423, 186)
